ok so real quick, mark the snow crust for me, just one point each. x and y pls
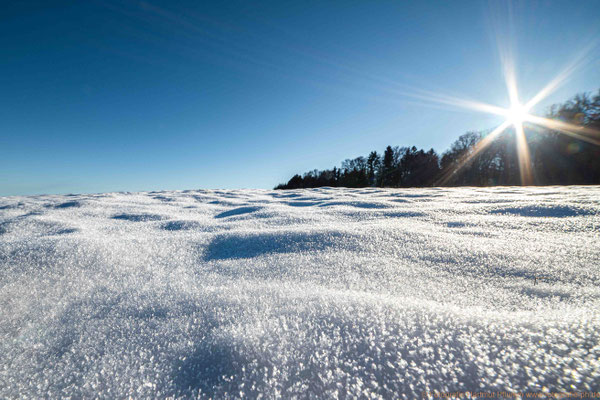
(371, 293)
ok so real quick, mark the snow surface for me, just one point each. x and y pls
(324, 293)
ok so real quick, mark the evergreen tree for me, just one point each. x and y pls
(387, 167)
(373, 167)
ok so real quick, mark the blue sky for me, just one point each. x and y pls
(127, 95)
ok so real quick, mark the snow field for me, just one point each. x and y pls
(328, 293)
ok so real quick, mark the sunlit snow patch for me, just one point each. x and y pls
(320, 293)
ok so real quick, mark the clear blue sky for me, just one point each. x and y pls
(103, 96)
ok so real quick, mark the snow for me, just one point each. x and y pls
(371, 293)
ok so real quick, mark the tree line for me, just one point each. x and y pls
(556, 158)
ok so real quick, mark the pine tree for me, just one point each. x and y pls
(388, 166)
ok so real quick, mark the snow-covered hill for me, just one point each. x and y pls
(324, 292)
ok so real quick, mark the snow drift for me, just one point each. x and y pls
(325, 292)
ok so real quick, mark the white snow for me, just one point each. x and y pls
(326, 293)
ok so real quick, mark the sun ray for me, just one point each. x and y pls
(511, 82)
(478, 148)
(562, 77)
(579, 132)
(523, 155)
(457, 102)
(550, 87)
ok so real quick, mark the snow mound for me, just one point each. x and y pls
(322, 293)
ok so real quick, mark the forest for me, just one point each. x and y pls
(556, 158)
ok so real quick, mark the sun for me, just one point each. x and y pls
(517, 114)
(514, 117)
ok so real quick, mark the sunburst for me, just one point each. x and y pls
(516, 116)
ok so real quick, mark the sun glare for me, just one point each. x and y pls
(517, 114)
